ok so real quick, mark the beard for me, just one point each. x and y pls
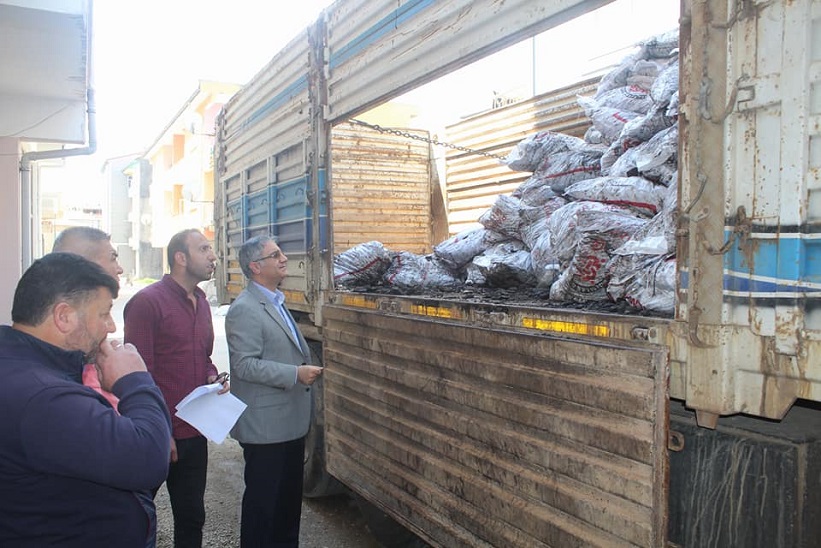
(82, 340)
(201, 274)
(91, 357)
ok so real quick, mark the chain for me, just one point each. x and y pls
(409, 135)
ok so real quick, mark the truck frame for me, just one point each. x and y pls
(514, 424)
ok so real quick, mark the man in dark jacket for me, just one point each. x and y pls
(70, 465)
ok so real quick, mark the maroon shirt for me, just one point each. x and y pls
(174, 340)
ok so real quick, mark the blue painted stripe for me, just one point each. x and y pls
(745, 283)
(737, 283)
(789, 258)
(375, 33)
(295, 89)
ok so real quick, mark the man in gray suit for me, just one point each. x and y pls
(269, 373)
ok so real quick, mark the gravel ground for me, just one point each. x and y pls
(333, 522)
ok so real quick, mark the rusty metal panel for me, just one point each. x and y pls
(477, 436)
(380, 189)
(475, 181)
(379, 50)
(749, 137)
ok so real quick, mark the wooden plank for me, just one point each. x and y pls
(511, 438)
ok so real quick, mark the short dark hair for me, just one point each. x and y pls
(69, 238)
(179, 242)
(251, 250)
(54, 278)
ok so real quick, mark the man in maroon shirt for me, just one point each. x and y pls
(170, 324)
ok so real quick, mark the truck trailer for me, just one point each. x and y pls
(479, 421)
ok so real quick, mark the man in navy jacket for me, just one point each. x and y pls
(70, 465)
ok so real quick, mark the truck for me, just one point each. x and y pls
(472, 422)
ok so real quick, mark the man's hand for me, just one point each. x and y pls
(173, 457)
(222, 378)
(116, 360)
(308, 374)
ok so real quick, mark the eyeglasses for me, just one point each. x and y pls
(274, 255)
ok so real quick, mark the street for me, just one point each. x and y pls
(334, 522)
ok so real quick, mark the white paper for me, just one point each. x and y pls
(212, 414)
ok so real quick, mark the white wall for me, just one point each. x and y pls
(10, 243)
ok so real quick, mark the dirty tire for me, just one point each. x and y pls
(316, 481)
(389, 532)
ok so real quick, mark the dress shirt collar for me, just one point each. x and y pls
(172, 285)
(276, 296)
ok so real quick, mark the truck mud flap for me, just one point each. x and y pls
(476, 436)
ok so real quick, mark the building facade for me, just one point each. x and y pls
(180, 169)
(46, 113)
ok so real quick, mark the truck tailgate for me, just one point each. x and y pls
(567, 432)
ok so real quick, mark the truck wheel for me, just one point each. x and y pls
(316, 481)
(389, 532)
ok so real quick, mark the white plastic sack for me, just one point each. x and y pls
(637, 193)
(672, 108)
(607, 120)
(534, 192)
(561, 169)
(362, 265)
(585, 278)
(545, 263)
(631, 98)
(503, 216)
(504, 265)
(532, 150)
(409, 272)
(660, 46)
(644, 128)
(646, 282)
(663, 146)
(535, 219)
(658, 236)
(461, 248)
(665, 85)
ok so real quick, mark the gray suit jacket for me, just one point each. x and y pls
(264, 357)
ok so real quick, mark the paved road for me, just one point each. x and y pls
(334, 522)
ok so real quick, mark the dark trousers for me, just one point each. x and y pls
(272, 502)
(186, 491)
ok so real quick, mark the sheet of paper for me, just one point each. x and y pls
(212, 414)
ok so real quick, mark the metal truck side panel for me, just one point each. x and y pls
(378, 50)
(475, 181)
(271, 113)
(762, 479)
(263, 171)
(564, 432)
(749, 202)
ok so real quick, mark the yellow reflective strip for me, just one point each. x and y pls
(358, 301)
(434, 311)
(567, 327)
(294, 296)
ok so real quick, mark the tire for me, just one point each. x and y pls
(386, 530)
(316, 481)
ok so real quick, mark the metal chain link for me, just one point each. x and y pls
(408, 135)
